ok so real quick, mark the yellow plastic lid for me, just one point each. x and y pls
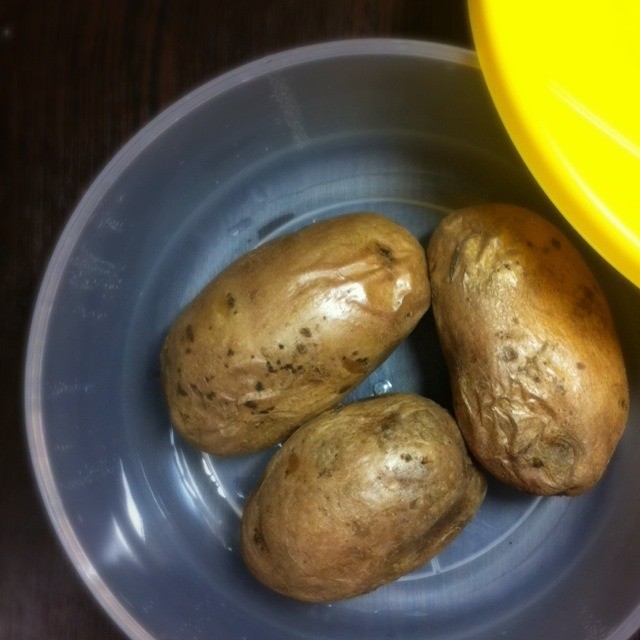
(565, 78)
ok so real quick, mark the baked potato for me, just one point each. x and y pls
(538, 378)
(359, 496)
(289, 329)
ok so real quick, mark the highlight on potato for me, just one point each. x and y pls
(359, 496)
(289, 329)
(538, 378)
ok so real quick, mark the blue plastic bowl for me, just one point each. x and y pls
(403, 128)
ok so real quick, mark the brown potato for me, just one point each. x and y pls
(359, 496)
(289, 329)
(539, 384)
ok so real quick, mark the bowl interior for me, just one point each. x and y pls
(404, 129)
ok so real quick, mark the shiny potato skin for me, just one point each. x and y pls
(539, 383)
(287, 331)
(359, 496)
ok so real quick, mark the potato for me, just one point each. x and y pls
(539, 383)
(289, 329)
(359, 496)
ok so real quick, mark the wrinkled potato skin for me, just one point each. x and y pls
(539, 383)
(289, 329)
(359, 496)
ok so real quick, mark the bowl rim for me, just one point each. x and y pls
(35, 421)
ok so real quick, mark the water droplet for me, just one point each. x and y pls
(241, 225)
(381, 387)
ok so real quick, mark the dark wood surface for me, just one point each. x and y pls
(77, 80)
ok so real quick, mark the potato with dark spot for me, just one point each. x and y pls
(289, 329)
(359, 496)
(539, 383)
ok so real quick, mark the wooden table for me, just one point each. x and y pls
(77, 80)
